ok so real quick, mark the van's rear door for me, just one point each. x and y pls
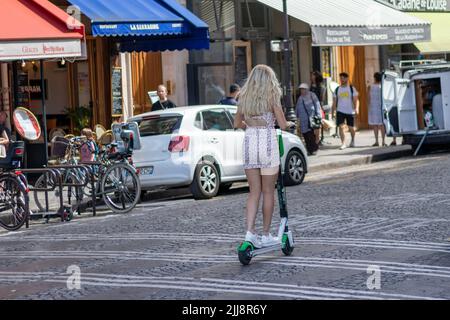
(399, 105)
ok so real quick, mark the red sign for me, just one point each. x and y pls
(26, 124)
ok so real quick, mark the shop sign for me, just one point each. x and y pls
(345, 36)
(17, 50)
(111, 29)
(418, 5)
(26, 124)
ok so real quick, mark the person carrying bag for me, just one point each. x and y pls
(309, 116)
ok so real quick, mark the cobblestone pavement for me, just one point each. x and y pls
(348, 223)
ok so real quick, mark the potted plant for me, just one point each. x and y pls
(80, 117)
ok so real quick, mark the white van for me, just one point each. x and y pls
(418, 102)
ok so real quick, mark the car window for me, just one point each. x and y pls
(232, 113)
(159, 125)
(198, 121)
(216, 119)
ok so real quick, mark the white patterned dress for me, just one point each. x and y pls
(261, 149)
(375, 112)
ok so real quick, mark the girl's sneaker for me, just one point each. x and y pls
(253, 238)
(269, 240)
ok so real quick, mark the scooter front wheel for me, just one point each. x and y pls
(245, 253)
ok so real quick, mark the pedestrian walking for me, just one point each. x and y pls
(375, 110)
(163, 102)
(346, 107)
(320, 91)
(309, 117)
(259, 109)
(233, 93)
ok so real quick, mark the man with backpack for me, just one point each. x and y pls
(346, 106)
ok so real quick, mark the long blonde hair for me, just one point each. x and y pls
(261, 92)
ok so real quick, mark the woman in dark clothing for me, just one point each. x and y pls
(320, 91)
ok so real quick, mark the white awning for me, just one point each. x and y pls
(355, 22)
(44, 49)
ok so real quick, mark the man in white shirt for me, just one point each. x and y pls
(346, 103)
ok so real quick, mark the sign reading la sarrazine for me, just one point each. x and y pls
(419, 5)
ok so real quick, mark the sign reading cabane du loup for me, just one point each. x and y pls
(418, 5)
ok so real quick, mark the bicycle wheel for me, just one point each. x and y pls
(71, 195)
(13, 203)
(121, 188)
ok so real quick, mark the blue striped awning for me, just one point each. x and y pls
(146, 25)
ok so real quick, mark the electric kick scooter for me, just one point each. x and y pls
(247, 250)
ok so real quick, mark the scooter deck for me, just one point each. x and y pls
(260, 251)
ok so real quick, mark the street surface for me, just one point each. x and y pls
(376, 231)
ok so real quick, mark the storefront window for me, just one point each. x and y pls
(214, 82)
(212, 70)
(325, 59)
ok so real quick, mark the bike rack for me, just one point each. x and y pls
(57, 179)
(89, 180)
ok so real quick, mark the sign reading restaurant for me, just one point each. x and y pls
(418, 5)
(345, 36)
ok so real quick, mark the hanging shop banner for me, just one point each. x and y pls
(354, 36)
(418, 5)
(26, 124)
(16, 50)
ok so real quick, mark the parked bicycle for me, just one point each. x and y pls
(64, 152)
(116, 180)
(14, 201)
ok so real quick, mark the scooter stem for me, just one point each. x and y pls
(282, 228)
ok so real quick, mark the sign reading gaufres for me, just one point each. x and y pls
(45, 49)
(418, 5)
(351, 36)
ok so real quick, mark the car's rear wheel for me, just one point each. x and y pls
(295, 168)
(206, 182)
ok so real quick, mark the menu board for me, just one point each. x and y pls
(23, 95)
(240, 62)
(116, 88)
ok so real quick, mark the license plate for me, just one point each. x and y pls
(146, 171)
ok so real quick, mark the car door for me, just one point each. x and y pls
(217, 128)
(399, 105)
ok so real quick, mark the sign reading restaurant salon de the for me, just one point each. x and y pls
(418, 5)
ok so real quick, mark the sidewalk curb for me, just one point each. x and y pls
(399, 152)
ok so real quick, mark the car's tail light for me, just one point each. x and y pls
(19, 151)
(179, 144)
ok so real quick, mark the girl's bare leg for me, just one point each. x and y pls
(254, 181)
(268, 189)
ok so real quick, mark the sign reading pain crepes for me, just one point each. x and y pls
(418, 5)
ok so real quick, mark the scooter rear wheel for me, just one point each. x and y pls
(245, 256)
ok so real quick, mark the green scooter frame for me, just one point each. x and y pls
(247, 250)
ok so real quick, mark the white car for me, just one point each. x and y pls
(198, 147)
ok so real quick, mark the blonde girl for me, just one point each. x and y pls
(259, 109)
